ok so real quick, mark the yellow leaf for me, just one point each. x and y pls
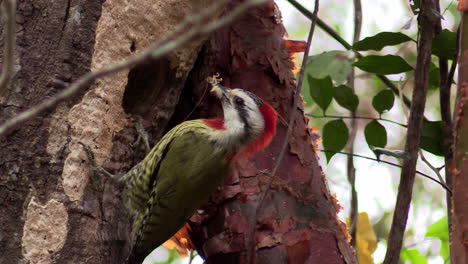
(366, 241)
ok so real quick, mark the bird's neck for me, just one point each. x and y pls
(231, 135)
(234, 138)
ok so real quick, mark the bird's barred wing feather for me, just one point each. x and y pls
(141, 178)
(186, 173)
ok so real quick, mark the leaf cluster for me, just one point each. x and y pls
(328, 71)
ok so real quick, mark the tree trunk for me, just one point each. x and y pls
(299, 222)
(53, 211)
(56, 211)
(459, 247)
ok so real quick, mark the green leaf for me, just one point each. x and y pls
(445, 250)
(431, 137)
(376, 135)
(414, 256)
(377, 42)
(335, 136)
(434, 77)
(305, 92)
(321, 91)
(444, 44)
(383, 101)
(439, 229)
(388, 64)
(335, 64)
(346, 97)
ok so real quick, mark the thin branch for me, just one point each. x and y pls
(401, 88)
(351, 170)
(446, 116)
(294, 106)
(427, 20)
(330, 31)
(357, 117)
(443, 185)
(195, 26)
(447, 132)
(9, 37)
(434, 169)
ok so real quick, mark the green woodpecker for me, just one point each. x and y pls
(189, 162)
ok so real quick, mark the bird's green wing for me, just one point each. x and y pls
(189, 170)
(140, 179)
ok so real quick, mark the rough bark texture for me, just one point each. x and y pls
(53, 211)
(299, 223)
(54, 45)
(459, 247)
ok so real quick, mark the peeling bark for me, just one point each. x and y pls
(55, 211)
(299, 222)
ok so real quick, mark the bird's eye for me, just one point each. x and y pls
(238, 100)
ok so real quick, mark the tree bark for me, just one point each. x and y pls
(56, 211)
(54, 46)
(459, 169)
(299, 222)
(53, 210)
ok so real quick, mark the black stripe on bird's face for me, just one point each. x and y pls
(242, 111)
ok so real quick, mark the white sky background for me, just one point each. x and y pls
(376, 184)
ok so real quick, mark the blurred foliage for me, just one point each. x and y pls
(393, 54)
(335, 136)
(438, 230)
(380, 41)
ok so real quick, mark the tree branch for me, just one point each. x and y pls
(9, 37)
(448, 189)
(434, 169)
(358, 117)
(351, 170)
(195, 26)
(446, 116)
(296, 95)
(427, 20)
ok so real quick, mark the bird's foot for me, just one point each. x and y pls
(96, 168)
(142, 135)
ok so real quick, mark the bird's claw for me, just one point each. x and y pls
(142, 135)
(92, 160)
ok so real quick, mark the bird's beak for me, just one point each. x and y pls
(220, 92)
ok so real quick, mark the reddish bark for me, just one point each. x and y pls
(459, 247)
(299, 222)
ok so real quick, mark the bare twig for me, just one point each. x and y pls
(351, 170)
(9, 14)
(194, 26)
(401, 88)
(297, 93)
(434, 169)
(427, 20)
(447, 132)
(357, 117)
(448, 189)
